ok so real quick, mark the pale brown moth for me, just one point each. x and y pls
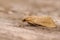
(45, 21)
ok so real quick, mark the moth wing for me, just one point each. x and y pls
(46, 21)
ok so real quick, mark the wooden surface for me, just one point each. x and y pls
(13, 11)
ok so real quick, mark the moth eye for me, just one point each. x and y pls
(24, 20)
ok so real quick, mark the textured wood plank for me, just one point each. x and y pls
(13, 11)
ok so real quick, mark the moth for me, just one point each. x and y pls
(45, 21)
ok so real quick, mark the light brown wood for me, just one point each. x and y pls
(12, 12)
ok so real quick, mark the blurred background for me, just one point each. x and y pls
(12, 12)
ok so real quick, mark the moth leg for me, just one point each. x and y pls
(33, 24)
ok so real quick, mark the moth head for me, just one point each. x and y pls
(27, 19)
